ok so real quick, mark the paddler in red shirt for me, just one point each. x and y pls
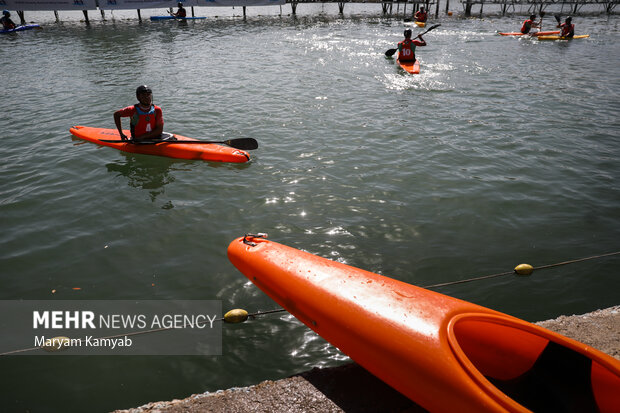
(567, 29)
(147, 120)
(529, 24)
(421, 15)
(406, 48)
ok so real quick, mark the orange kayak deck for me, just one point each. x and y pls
(410, 67)
(530, 34)
(206, 152)
(445, 354)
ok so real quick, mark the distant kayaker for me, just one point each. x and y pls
(421, 15)
(406, 48)
(181, 12)
(567, 29)
(147, 120)
(7, 23)
(529, 24)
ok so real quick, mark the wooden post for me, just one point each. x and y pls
(244, 12)
(56, 15)
(102, 14)
(341, 7)
(447, 6)
(193, 15)
(437, 9)
(22, 19)
(294, 7)
(86, 16)
(139, 16)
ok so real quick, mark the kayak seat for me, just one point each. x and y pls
(559, 381)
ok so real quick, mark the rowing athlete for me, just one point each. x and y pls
(421, 15)
(567, 29)
(181, 12)
(7, 23)
(530, 24)
(147, 120)
(406, 48)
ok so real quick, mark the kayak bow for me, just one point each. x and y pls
(445, 354)
(206, 152)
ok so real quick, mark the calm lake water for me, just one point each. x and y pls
(502, 151)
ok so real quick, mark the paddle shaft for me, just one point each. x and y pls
(240, 143)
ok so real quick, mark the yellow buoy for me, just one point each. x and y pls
(524, 269)
(56, 344)
(237, 315)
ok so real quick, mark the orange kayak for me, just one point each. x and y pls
(410, 67)
(206, 152)
(530, 34)
(445, 354)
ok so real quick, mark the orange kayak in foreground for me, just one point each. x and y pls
(445, 354)
(206, 152)
(410, 67)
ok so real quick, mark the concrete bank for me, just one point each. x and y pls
(350, 388)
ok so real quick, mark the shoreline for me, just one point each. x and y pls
(350, 388)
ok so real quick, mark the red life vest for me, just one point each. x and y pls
(142, 121)
(567, 29)
(406, 50)
(421, 16)
(527, 26)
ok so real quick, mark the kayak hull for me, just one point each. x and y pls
(410, 67)
(445, 354)
(176, 18)
(530, 34)
(21, 28)
(581, 36)
(205, 152)
(420, 24)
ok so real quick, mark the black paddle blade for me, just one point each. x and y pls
(391, 52)
(242, 143)
(557, 18)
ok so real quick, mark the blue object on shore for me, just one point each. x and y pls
(175, 18)
(20, 28)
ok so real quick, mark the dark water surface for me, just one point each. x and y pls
(502, 151)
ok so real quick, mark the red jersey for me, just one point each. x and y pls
(421, 16)
(406, 50)
(567, 30)
(142, 121)
(527, 26)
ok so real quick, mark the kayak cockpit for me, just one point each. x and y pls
(525, 366)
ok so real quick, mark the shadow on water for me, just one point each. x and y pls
(148, 173)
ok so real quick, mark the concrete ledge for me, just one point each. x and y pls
(350, 388)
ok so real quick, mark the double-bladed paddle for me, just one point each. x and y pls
(240, 143)
(391, 52)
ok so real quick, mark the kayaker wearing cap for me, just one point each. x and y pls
(406, 48)
(421, 15)
(147, 120)
(7, 23)
(529, 24)
(567, 29)
(181, 12)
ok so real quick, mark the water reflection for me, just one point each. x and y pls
(148, 173)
